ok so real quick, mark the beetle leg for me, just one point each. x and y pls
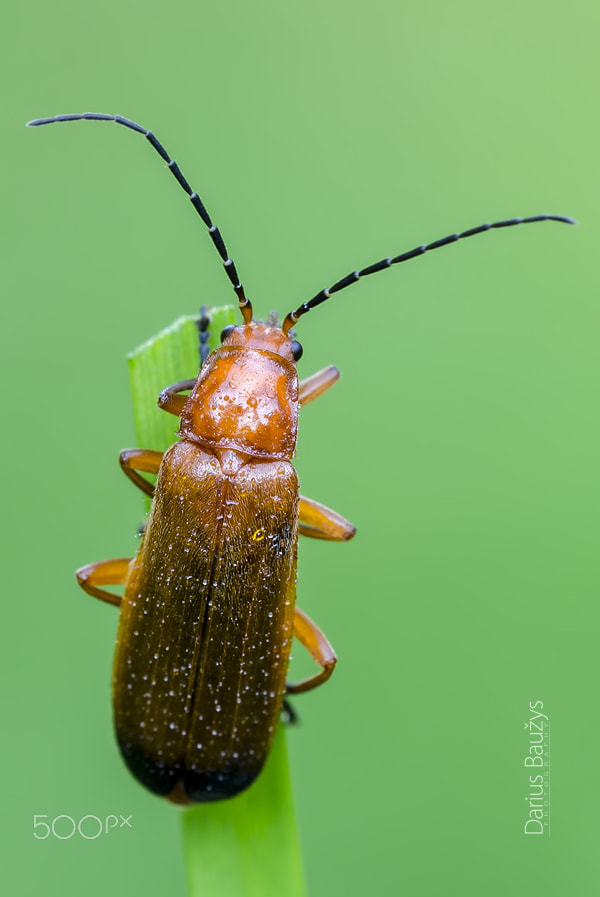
(288, 713)
(104, 573)
(315, 520)
(315, 385)
(170, 400)
(317, 644)
(132, 460)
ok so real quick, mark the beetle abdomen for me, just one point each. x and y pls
(206, 625)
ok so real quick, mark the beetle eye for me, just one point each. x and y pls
(297, 350)
(226, 331)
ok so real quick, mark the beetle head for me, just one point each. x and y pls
(264, 336)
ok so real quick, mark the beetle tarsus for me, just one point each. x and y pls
(289, 715)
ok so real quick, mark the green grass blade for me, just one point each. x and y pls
(169, 356)
(247, 846)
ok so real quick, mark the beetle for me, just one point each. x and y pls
(208, 611)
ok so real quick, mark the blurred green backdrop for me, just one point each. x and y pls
(462, 440)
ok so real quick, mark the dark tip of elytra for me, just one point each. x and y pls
(209, 786)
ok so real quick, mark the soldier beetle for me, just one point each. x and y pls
(208, 612)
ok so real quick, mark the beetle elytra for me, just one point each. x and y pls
(208, 611)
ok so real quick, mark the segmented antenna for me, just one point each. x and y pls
(349, 279)
(244, 303)
(202, 326)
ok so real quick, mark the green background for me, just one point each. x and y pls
(462, 439)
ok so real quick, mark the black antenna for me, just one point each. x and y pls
(202, 326)
(293, 316)
(244, 303)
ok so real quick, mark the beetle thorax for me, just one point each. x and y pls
(244, 399)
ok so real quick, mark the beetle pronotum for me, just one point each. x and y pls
(208, 611)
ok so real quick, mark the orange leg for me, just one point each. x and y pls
(132, 460)
(104, 573)
(315, 520)
(315, 385)
(170, 400)
(316, 643)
